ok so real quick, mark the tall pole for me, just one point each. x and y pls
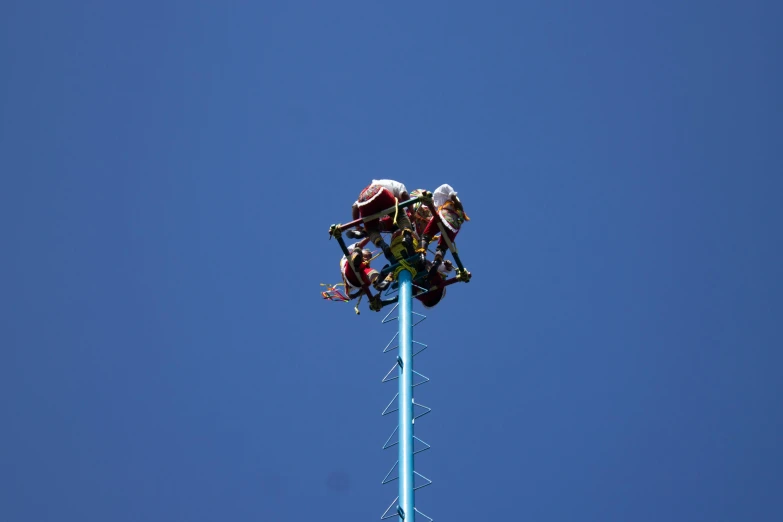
(405, 373)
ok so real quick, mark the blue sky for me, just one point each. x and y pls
(169, 174)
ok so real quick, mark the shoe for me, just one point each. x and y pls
(356, 233)
(387, 252)
(407, 242)
(434, 268)
(384, 284)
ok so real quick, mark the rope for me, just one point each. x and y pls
(404, 266)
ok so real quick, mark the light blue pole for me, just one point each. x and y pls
(405, 373)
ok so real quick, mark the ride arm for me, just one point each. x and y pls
(358, 221)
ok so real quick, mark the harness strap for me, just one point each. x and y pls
(404, 265)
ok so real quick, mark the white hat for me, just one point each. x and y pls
(442, 195)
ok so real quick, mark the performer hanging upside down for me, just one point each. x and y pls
(434, 284)
(452, 215)
(359, 261)
(380, 195)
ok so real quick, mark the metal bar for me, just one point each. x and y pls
(406, 397)
(424, 380)
(386, 302)
(388, 349)
(386, 377)
(343, 246)
(388, 320)
(427, 408)
(386, 513)
(386, 444)
(423, 449)
(423, 317)
(387, 410)
(423, 347)
(429, 482)
(386, 479)
(450, 244)
(377, 215)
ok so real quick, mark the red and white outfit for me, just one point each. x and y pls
(352, 284)
(437, 290)
(450, 218)
(420, 213)
(378, 196)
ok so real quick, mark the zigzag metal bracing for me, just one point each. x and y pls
(419, 410)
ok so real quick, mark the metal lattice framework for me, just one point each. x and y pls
(408, 444)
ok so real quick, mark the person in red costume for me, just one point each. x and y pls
(434, 284)
(357, 263)
(420, 214)
(378, 196)
(452, 215)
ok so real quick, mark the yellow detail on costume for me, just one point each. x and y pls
(397, 247)
(404, 266)
(400, 252)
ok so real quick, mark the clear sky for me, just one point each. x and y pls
(169, 171)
